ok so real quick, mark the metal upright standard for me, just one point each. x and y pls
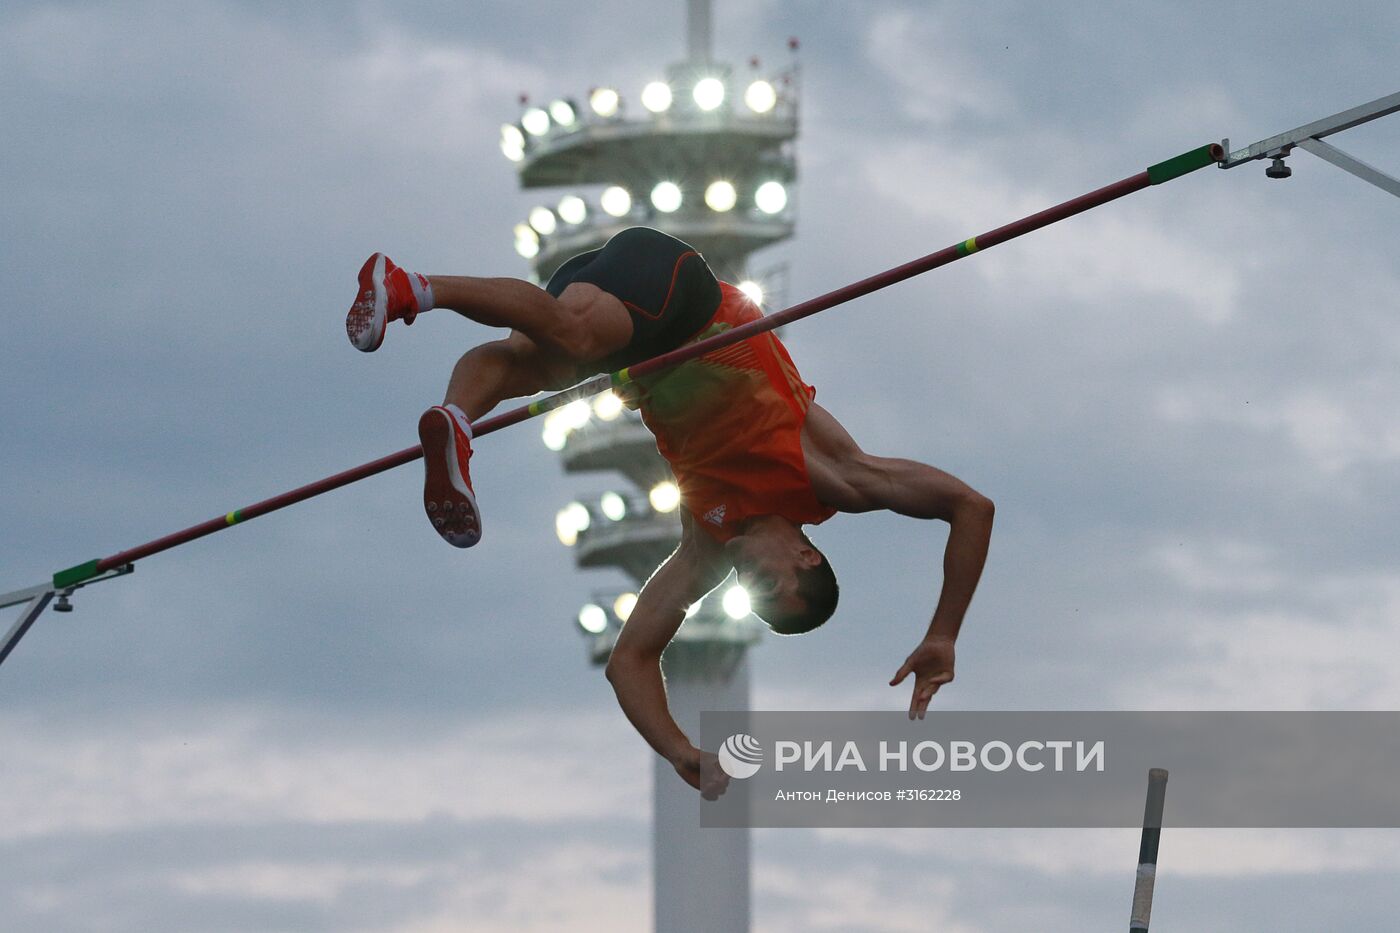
(65, 581)
(1147, 851)
(1309, 137)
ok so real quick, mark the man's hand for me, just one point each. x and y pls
(701, 770)
(932, 666)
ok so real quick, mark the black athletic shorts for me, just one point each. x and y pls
(664, 284)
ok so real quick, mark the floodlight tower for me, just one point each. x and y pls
(708, 155)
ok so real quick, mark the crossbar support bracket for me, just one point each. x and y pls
(1309, 137)
(1350, 163)
(36, 599)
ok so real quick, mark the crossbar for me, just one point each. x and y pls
(1154, 175)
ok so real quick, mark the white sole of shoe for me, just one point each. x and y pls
(447, 500)
(366, 326)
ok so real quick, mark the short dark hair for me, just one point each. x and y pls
(817, 588)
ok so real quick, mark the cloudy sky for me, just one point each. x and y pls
(1184, 405)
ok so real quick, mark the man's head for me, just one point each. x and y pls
(790, 584)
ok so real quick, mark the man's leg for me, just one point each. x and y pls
(551, 342)
(514, 367)
(488, 374)
(584, 322)
(499, 302)
(484, 377)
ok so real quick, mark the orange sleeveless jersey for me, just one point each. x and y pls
(730, 425)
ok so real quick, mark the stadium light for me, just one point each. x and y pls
(736, 602)
(527, 241)
(593, 619)
(664, 496)
(512, 142)
(708, 93)
(753, 290)
(607, 406)
(666, 197)
(542, 219)
(616, 201)
(574, 517)
(564, 528)
(623, 606)
(563, 113)
(760, 97)
(554, 434)
(575, 414)
(572, 209)
(613, 506)
(721, 196)
(656, 97)
(535, 121)
(771, 197)
(604, 101)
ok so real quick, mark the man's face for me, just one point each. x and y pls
(767, 569)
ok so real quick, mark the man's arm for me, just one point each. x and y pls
(845, 477)
(695, 568)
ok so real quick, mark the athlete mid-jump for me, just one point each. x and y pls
(754, 457)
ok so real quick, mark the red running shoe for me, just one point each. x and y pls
(447, 486)
(385, 295)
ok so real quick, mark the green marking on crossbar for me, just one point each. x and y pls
(234, 517)
(967, 247)
(1183, 164)
(75, 575)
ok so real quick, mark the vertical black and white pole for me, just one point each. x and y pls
(1147, 852)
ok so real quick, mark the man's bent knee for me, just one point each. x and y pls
(530, 368)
